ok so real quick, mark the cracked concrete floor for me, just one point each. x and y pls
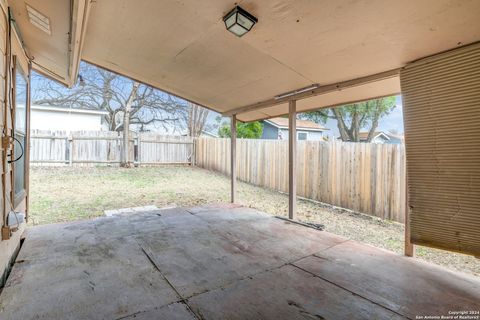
(219, 262)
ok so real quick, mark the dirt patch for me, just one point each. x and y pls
(66, 194)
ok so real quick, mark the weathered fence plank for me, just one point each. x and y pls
(368, 178)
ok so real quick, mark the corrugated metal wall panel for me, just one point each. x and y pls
(441, 106)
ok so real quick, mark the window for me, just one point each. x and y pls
(19, 149)
(302, 135)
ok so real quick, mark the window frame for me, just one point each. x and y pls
(301, 132)
(18, 197)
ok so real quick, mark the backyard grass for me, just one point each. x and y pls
(65, 194)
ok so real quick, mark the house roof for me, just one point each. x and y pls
(210, 133)
(68, 110)
(351, 50)
(364, 135)
(301, 124)
(385, 135)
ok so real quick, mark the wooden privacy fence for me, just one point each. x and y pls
(363, 177)
(102, 147)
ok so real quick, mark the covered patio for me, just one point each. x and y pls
(230, 262)
(279, 58)
(220, 262)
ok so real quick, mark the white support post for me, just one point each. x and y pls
(292, 159)
(233, 157)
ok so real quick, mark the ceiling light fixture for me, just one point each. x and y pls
(238, 21)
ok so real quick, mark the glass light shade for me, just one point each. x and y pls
(245, 22)
(237, 30)
(238, 21)
(230, 21)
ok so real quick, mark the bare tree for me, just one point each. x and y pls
(197, 117)
(99, 89)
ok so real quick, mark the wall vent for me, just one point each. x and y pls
(39, 20)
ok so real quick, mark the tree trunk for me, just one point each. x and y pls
(371, 133)
(355, 129)
(191, 115)
(197, 116)
(125, 161)
(112, 125)
(342, 127)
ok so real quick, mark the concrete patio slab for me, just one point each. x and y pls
(219, 262)
(406, 286)
(103, 281)
(285, 293)
(218, 244)
(174, 311)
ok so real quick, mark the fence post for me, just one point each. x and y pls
(70, 150)
(67, 151)
(194, 151)
(139, 153)
(119, 148)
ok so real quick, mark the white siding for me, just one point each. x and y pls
(311, 135)
(64, 121)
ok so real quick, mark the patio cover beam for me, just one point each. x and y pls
(316, 91)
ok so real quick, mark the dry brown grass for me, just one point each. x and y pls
(65, 194)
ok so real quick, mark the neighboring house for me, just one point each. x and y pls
(209, 134)
(204, 133)
(395, 138)
(277, 129)
(381, 137)
(66, 119)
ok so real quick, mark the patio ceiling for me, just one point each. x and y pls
(182, 47)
